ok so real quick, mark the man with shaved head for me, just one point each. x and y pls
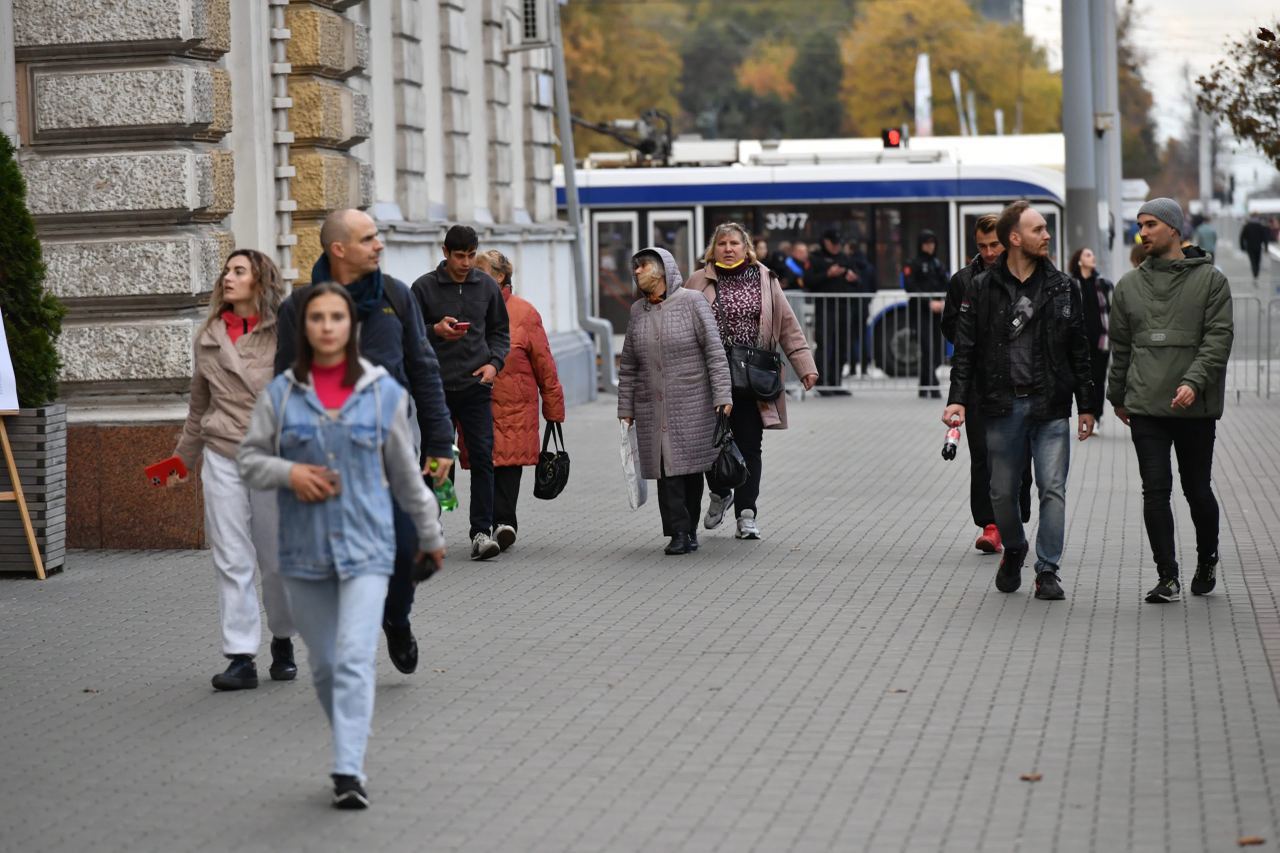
(391, 334)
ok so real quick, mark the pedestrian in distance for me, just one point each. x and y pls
(390, 334)
(234, 350)
(470, 330)
(1254, 239)
(1206, 236)
(529, 371)
(673, 380)
(1171, 334)
(332, 436)
(1021, 355)
(831, 271)
(1137, 255)
(988, 541)
(1095, 297)
(925, 274)
(798, 262)
(750, 309)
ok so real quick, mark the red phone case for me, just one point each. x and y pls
(159, 473)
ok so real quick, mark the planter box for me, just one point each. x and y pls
(39, 441)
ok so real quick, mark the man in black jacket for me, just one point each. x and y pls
(926, 274)
(1020, 356)
(1254, 238)
(392, 335)
(988, 542)
(830, 272)
(468, 324)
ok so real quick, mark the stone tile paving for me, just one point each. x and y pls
(851, 682)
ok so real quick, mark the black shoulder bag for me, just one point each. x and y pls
(552, 473)
(755, 372)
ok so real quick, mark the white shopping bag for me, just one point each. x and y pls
(637, 486)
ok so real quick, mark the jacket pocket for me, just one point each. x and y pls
(297, 436)
(1166, 338)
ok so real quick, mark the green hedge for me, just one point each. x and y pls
(32, 317)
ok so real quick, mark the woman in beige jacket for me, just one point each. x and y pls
(234, 351)
(750, 310)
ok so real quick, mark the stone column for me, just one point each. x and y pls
(411, 110)
(497, 95)
(326, 119)
(122, 118)
(455, 114)
(539, 140)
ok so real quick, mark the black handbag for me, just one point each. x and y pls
(552, 473)
(755, 372)
(729, 471)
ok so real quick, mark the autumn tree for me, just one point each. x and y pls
(1245, 90)
(816, 76)
(1139, 150)
(617, 69)
(997, 62)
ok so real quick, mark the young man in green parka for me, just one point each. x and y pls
(1171, 332)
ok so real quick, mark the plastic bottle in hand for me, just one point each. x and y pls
(445, 494)
(949, 446)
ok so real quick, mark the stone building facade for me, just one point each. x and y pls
(158, 134)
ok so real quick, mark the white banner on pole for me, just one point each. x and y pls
(8, 385)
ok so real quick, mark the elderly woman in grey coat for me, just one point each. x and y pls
(673, 380)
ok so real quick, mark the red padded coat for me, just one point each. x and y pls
(529, 369)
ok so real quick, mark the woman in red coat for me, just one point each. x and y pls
(529, 370)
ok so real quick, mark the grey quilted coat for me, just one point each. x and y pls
(672, 377)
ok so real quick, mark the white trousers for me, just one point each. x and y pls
(241, 525)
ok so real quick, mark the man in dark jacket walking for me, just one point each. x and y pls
(1171, 336)
(1254, 238)
(391, 335)
(925, 274)
(830, 271)
(1021, 355)
(468, 325)
(988, 542)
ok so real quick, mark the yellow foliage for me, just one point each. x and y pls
(767, 71)
(996, 61)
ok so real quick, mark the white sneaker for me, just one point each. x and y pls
(716, 510)
(483, 547)
(747, 528)
(505, 535)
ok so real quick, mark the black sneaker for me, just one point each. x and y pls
(241, 674)
(693, 542)
(348, 793)
(1206, 577)
(1009, 575)
(283, 667)
(402, 648)
(1166, 591)
(1048, 588)
(679, 544)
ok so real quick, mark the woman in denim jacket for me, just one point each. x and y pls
(332, 436)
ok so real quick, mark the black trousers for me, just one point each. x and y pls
(832, 323)
(980, 473)
(400, 588)
(1192, 442)
(932, 346)
(1100, 363)
(680, 503)
(748, 434)
(472, 410)
(1255, 259)
(506, 491)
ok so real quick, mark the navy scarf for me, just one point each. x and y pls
(366, 292)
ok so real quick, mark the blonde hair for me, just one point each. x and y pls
(727, 228)
(267, 283)
(498, 263)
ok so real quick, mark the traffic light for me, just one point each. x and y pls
(891, 137)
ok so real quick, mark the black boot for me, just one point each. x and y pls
(282, 666)
(693, 542)
(1009, 575)
(679, 545)
(241, 674)
(402, 647)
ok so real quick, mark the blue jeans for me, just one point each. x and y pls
(1008, 441)
(339, 621)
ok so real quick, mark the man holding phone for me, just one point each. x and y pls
(469, 329)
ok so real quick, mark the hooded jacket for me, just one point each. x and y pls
(370, 445)
(980, 369)
(672, 376)
(391, 336)
(1171, 325)
(478, 301)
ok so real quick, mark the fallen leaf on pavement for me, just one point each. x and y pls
(1031, 777)
(898, 690)
(90, 690)
(1250, 840)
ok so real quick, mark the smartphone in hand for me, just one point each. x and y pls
(166, 472)
(462, 326)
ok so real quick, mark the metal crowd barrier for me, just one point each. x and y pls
(892, 341)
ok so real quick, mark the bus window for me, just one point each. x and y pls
(615, 242)
(673, 230)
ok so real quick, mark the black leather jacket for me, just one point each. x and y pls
(980, 363)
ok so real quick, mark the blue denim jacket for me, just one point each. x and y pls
(370, 445)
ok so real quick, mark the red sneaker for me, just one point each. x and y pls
(989, 541)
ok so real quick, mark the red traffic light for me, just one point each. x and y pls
(891, 137)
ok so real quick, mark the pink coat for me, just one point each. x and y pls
(779, 329)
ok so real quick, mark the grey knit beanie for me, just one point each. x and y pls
(1166, 210)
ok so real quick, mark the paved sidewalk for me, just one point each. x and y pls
(851, 682)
